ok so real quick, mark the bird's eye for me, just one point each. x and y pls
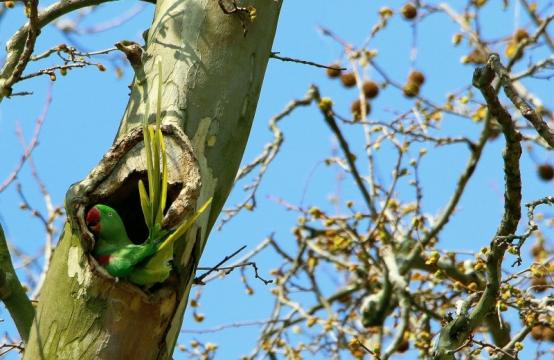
(110, 214)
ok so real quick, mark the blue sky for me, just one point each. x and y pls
(88, 104)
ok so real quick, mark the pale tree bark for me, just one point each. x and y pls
(212, 75)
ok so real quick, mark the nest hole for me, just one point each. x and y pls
(126, 201)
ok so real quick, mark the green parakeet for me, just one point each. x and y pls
(149, 262)
(145, 264)
(113, 249)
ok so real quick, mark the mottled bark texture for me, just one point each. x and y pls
(212, 75)
(12, 294)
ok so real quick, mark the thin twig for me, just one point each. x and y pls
(16, 46)
(263, 160)
(331, 122)
(231, 326)
(275, 55)
(199, 280)
(32, 144)
(526, 110)
(32, 34)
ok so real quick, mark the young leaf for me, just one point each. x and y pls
(148, 149)
(155, 194)
(184, 226)
(145, 204)
(153, 203)
(164, 177)
(147, 210)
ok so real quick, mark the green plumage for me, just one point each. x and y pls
(145, 264)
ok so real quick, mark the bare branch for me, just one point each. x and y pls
(264, 159)
(17, 49)
(230, 326)
(32, 144)
(526, 110)
(457, 331)
(349, 156)
(198, 279)
(32, 34)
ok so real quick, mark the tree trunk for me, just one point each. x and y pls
(212, 75)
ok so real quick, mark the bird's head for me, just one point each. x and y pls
(107, 226)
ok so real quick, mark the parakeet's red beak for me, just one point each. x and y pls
(93, 220)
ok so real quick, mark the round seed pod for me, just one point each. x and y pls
(348, 79)
(334, 71)
(520, 35)
(549, 334)
(541, 332)
(457, 39)
(539, 284)
(411, 89)
(370, 88)
(545, 172)
(417, 77)
(403, 346)
(356, 109)
(537, 332)
(475, 57)
(409, 11)
(537, 250)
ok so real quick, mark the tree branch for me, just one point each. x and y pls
(526, 110)
(349, 156)
(444, 217)
(457, 331)
(28, 149)
(12, 292)
(512, 196)
(27, 51)
(263, 160)
(400, 287)
(537, 20)
(20, 47)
